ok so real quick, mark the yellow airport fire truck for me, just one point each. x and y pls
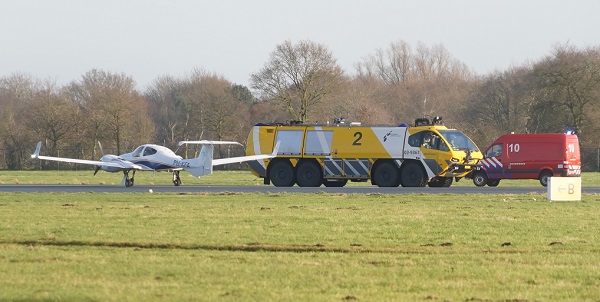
(426, 153)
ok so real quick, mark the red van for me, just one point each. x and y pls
(529, 156)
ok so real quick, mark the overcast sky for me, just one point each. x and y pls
(63, 39)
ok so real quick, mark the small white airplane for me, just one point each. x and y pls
(149, 157)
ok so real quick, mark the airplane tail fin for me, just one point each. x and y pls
(36, 154)
(202, 165)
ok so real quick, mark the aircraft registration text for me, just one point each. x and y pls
(181, 163)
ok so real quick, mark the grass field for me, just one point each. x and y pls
(296, 247)
(246, 178)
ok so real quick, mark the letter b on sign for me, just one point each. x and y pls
(571, 189)
(564, 189)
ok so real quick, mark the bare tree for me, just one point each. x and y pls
(400, 64)
(500, 104)
(394, 65)
(299, 76)
(409, 82)
(569, 88)
(16, 94)
(167, 109)
(53, 117)
(355, 102)
(242, 94)
(267, 111)
(114, 110)
(221, 108)
(202, 105)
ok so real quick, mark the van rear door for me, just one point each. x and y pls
(573, 159)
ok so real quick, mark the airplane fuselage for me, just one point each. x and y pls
(155, 157)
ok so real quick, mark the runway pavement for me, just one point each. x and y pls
(272, 189)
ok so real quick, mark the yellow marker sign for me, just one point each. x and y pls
(564, 188)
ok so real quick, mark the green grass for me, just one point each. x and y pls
(298, 247)
(86, 177)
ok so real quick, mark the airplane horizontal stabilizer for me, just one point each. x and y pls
(239, 159)
(206, 142)
(202, 165)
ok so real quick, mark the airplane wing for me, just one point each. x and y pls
(239, 159)
(118, 164)
(205, 142)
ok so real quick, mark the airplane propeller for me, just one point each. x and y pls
(100, 145)
(101, 152)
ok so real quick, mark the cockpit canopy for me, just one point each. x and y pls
(148, 150)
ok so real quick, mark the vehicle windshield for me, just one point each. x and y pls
(138, 152)
(458, 141)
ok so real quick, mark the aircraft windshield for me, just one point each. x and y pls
(138, 152)
(458, 141)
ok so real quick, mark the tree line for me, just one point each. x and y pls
(302, 81)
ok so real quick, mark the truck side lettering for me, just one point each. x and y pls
(514, 148)
(358, 136)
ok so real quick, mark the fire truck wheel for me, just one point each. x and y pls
(386, 175)
(331, 183)
(412, 175)
(493, 182)
(309, 174)
(480, 179)
(544, 177)
(281, 173)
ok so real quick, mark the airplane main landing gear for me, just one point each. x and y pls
(128, 181)
(176, 179)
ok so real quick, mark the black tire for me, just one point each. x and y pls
(386, 175)
(480, 178)
(493, 182)
(412, 175)
(176, 179)
(308, 174)
(334, 183)
(441, 182)
(544, 177)
(281, 173)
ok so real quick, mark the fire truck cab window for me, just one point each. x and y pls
(415, 139)
(443, 146)
(430, 140)
(495, 150)
(426, 139)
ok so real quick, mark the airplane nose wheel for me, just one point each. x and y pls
(176, 179)
(128, 181)
(131, 179)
